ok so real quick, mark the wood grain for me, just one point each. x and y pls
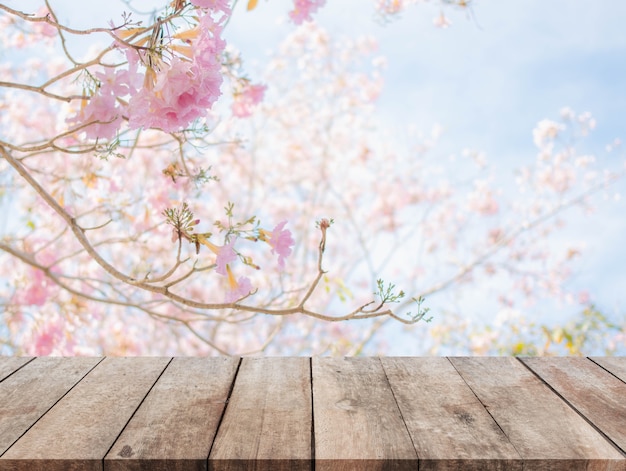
(174, 427)
(449, 426)
(267, 423)
(546, 432)
(9, 364)
(31, 391)
(357, 422)
(322, 413)
(616, 365)
(79, 430)
(596, 394)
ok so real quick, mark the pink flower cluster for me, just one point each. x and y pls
(245, 100)
(482, 200)
(38, 291)
(221, 5)
(303, 9)
(225, 255)
(104, 110)
(47, 338)
(180, 83)
(279, 239)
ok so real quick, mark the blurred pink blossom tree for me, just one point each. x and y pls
(140, 178)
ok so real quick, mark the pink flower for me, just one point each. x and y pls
(118, 82)
(247, 99)
(179, 92)
(584, 298)
(389, 7)
(280, 240)
(213, 5)
(208, 46)
(225, 255)
(45, 341)
(103, 107)
(303, 9)
(44, 28)
(38, 290)
(237, 289)
(482, 199)
(102, 111)
(442, 21)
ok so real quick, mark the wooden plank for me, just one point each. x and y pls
(616, 365)
(174, 427)
(9, 364)
(449, 426)
(79, 430)
(267, 423)
(357, 422)
(546, 432)
(595, 393)
(31, 391)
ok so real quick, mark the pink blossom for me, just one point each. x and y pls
(584, 297)
(225, 255)
(208, 46)
(182, 90)
(280, 240)
(556, 178)
(103, 113)
(303, 9)
(389, 7)
(44, 28)
(546, 131)
(118, 82)
(46, 340)
(482, 199)
(177, 91)
(181, 94)
(237, 289)
(213, 5)
(246, 100)
(442, 21)
(103, 107)
(38, 290)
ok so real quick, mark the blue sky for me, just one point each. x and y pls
(491, 76)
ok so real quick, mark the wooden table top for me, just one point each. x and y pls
(298, 413)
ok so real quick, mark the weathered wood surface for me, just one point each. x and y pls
(614, 365)
(80, 429)
(320, 413)
(448, 425)
(25, 399)
(10, 364)
(268, 422)
(357, 421)
(543, 428)
(588, 389)
(174, 427)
